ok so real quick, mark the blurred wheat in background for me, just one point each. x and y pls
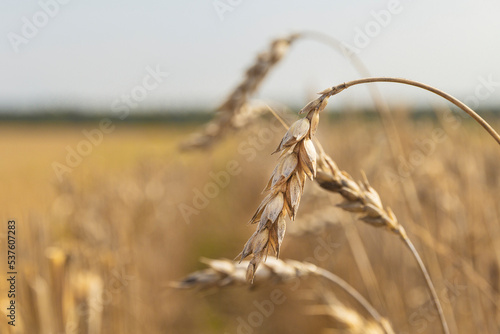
(110, 232)
(113, 243)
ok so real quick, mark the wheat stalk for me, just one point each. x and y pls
(446, 96)
(222, 273)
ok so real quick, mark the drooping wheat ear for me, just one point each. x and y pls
(351, 320)
(358, 197)
(236, 111)
(222, 273)
(286, 185)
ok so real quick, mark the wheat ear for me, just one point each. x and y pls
(222, 273)
(296, 163)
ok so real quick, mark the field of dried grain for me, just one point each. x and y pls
(99, 249)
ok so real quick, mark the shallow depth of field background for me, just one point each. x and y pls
(115, 223)
(99, 247)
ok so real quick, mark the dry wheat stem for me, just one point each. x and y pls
(436, 91)
(222, 273)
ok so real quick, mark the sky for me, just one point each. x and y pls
(176, 55)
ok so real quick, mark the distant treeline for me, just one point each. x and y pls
(78, 116)
(186, 117)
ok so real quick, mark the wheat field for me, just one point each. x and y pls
(99, 251)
